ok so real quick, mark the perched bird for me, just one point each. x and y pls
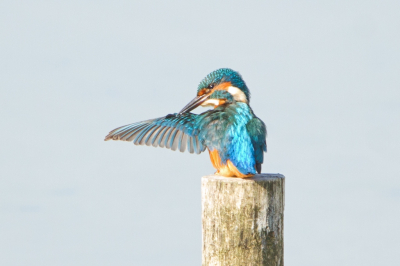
(232, 133)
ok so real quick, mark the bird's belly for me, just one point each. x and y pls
(227, 169)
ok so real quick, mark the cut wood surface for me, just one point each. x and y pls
(242, 220)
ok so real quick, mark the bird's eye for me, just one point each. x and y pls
(211, 86)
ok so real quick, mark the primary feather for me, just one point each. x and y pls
(172, 132)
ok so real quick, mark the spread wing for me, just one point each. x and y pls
(174, 131)
(258, 134)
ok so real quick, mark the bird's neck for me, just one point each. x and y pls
(237, 110)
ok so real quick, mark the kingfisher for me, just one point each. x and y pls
(233, 135)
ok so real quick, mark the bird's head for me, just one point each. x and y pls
(221, 86)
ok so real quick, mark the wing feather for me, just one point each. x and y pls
(183, 142)
(157, 136)
(163, 138)
(145, 135)
(142, 134)
(126, 135)
(258, 133)
(171, 137)
(190, 145)
(150, 136)
(175, 141)
(174, 131)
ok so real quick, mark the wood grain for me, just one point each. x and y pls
(242, 220)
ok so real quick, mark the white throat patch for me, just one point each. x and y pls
(237, 94)
(210, 102)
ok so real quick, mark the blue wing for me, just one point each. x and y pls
(174, 131)
(258, 134)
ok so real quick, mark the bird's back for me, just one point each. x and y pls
(224, 130)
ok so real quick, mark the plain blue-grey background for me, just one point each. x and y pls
(324, 76)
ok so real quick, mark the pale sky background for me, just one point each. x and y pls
(324, 76)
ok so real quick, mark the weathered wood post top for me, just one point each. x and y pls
(242, 220)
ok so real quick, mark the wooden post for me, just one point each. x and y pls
(242, 220)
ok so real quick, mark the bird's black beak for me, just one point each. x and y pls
(196, 102)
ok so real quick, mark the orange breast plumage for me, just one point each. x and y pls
(228, 169)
